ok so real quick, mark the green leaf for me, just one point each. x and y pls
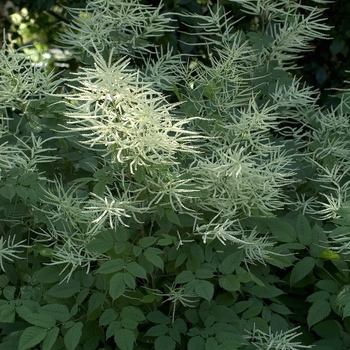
(28, 179)
(301, 269)
(31, 336)
(231, 262)
(125, 339)
(196, 343)
(57, 311)
(73, 335)
(204, 289)
(328, 285)
(7, 192)
(172, 217)
(282, 230)
(117, 286)
(111, 266)
(129, 280)
(48, 274)
(107, 317)
(317, 312)
(229, 283)
(99, 246)
(136, 269)
(50, 339)
(204, 273)
(40, 320)
(96, 300)
(156, 331)
(154, 259)
(303, 230)
(65, 289)
(346, 310)
(147, 242)
(158, 317)
(268, 291)
(132, 313)
(184, 277)
(164, 342)
(7, 313)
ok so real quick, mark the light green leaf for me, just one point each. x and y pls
(164, 342)
(65, 289)
(117, 286)
(303, 230)
(31, 336)
(196, 343)
(50, 339)
(111, 266)
(317, 312)
(204, 289)
(301, 269)
(72, 337)
(125, 339)
(136, 269)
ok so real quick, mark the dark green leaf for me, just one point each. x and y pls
(204, 289)
(136, 269)
(164, 342)
(117, 286)
(31, 336)
(303, 230)
(317, 312)
(301, 269)
(73, 335)
(50, 339)
(125, 339)
(111, 266)
(65, 289)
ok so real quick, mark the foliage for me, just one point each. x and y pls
(152, 199)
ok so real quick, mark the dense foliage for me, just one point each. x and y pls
(161, 199)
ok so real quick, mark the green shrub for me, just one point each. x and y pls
(156, 200)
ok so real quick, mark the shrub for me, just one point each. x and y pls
(153, 199)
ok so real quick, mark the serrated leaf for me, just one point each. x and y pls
(65, 289)
(28, 179)
(196, 343)
(125, 339)
(158, 317)
(40, 320)
(112, 328)
(111, 266)
(136, 269)
(346, 310)
(154, 259)
(117, 286)
(268, 291)
(156, 331)
(172, 217)
(31, 336)
(164, 342)
(96, 300)
(107, 317)
(7, 314)
(231, 262)
(303, 230)
(50, 338)
(129, 280)
(58, 311)
(132, 313)
(73, 335)
(146, 242)
(184, 277)
(229, 283)
(282, 230)
(301, 269)
(204, 273)
(317, 312)
(204, 289)
(99, 246)
(7, 192)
